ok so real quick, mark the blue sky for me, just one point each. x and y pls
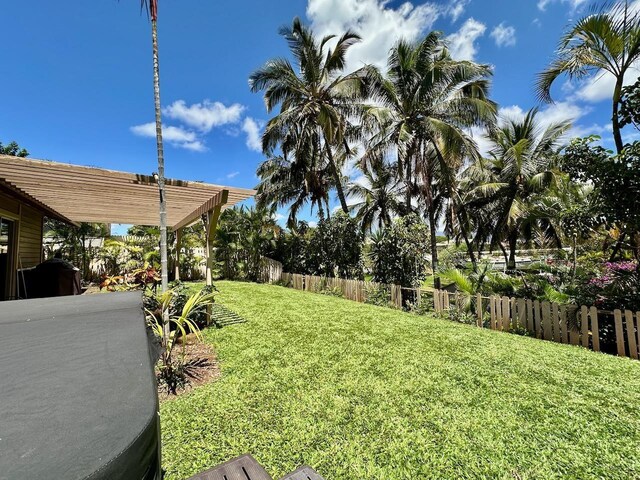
(76, 78)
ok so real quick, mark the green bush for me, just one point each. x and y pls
(399, 253)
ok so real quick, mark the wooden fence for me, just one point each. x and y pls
(356, 290)
(555, 322)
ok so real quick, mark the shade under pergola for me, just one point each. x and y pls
(97, 195)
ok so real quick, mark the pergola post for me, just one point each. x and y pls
(177, 259)
(213, 215)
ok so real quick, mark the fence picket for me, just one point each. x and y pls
(479, 310)
(530, 325)
(445, 300)
(555, 322)
(584, 326)
(537, 318)
(492, 312)
(617, 320)
(638, 328)
(572, 325)
(631, 334)
(563, 330)
(522, 313)
(595, 329)
(505, 313)
(546, 321)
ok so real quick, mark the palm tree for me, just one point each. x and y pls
(151, 7)
(428, 101)
(316, 101)
(605, 41)
(293, 182)
(379, 196)
(511, 188)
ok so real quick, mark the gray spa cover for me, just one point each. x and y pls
(78, 398)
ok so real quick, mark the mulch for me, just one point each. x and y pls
(204, 367)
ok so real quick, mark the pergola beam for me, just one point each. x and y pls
(218, 200)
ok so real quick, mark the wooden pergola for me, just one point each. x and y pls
(97, 195)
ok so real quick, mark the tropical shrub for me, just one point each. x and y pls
(379, 295)
(244, 236)
(170, 323)
(335, 248)
(617, 285)
(399, 253)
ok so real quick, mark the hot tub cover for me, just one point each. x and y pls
(78, 398)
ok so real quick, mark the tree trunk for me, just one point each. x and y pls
(161, 179)
(336, 178)
(434, 240)
(513, 242)
(463, 231)
(617, 93)
(407, 182)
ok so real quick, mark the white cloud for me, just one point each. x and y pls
(600, 87)
(462, 43)
(233, 174)
(504, 36)
(554, 113)
(313, 224)
(574, 4)
(252, 128)
(176, 136)
(379, 24)
(205, 115)
(456, 8)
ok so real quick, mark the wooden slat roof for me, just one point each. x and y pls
(88, 194)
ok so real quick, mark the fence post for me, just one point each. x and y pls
(492, 311)
(631, 334)
(479, 309)
(617, 319)
(595, 329)
(506, 314)
(546, 321)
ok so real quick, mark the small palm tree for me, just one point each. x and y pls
(316, 100)
(511, 186)
(605, 41)
(378, 195)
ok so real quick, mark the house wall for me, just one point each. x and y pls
(29, 226)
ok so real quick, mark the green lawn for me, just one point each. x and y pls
(363, 392)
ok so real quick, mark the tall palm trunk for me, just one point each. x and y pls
(617, 94)
(161, 179)
(513, 243)
(336, 178)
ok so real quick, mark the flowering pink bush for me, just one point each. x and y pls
(617, 286)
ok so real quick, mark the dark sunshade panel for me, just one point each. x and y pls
(78, 398)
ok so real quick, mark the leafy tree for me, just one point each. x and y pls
(12, 148)
(335, 248)
(316, 101)
(609, 175)
(605, 41)
(243, 237)
(630, 105)
(428, 100)
(73, 241)
(378, 194)
(399, 253)
(513, 186)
